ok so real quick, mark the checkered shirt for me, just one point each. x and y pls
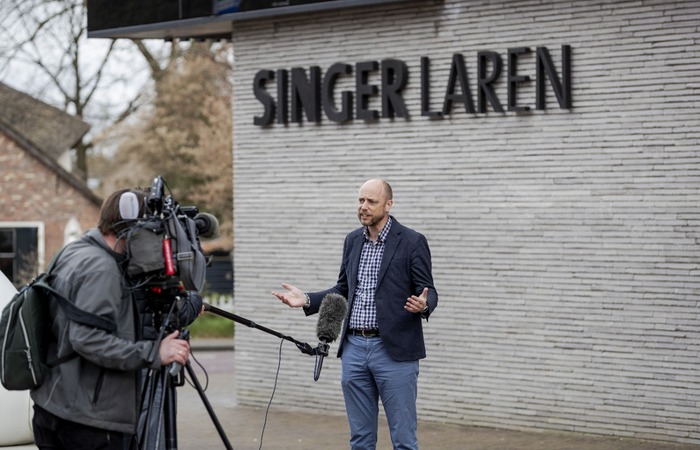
(364, 308)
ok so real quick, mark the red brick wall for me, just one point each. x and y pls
(30, 191)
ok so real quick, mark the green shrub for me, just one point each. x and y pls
(210, 325)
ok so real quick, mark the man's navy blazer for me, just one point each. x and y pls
(405, 270)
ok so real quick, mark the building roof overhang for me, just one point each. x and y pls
(222, 26)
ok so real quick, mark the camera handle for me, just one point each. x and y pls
(175, 368)
(302, 346)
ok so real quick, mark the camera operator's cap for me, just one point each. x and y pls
(128, 206)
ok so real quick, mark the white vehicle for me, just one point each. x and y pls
(15, 406)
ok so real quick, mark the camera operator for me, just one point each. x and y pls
(91, 400)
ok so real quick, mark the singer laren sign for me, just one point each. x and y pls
(311, 93)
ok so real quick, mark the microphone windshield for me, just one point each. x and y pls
(330, 317)
(207, 225)
(128, 206)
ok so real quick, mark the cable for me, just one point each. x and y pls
(204, 370)
(274, 388)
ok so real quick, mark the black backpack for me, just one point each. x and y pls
(25, 332)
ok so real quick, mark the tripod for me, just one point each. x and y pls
(160, 417)
(158, 428)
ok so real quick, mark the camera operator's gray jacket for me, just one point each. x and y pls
(99, 387)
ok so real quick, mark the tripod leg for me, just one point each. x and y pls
(170, 414)
(151, 407)
(207, 405)
(157, 408)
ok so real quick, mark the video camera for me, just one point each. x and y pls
(163, 248)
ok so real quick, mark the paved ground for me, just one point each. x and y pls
(244, 426)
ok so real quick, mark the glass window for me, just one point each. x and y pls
(19, 254)
(7, 252)
(7, 244)
(7, 267)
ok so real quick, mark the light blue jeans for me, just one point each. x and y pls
(369, 374)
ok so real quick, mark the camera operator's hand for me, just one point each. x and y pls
(173, 349)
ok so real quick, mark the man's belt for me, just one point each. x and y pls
(372, 332)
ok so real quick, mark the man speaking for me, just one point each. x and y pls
(386, 276)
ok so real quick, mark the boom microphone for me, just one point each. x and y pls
(330, 319)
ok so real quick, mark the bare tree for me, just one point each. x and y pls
(155, 107)
(46, 53)
(185, 134)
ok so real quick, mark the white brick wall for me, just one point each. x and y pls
(565, 242)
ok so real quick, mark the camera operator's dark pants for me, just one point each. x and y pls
(52, 432)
